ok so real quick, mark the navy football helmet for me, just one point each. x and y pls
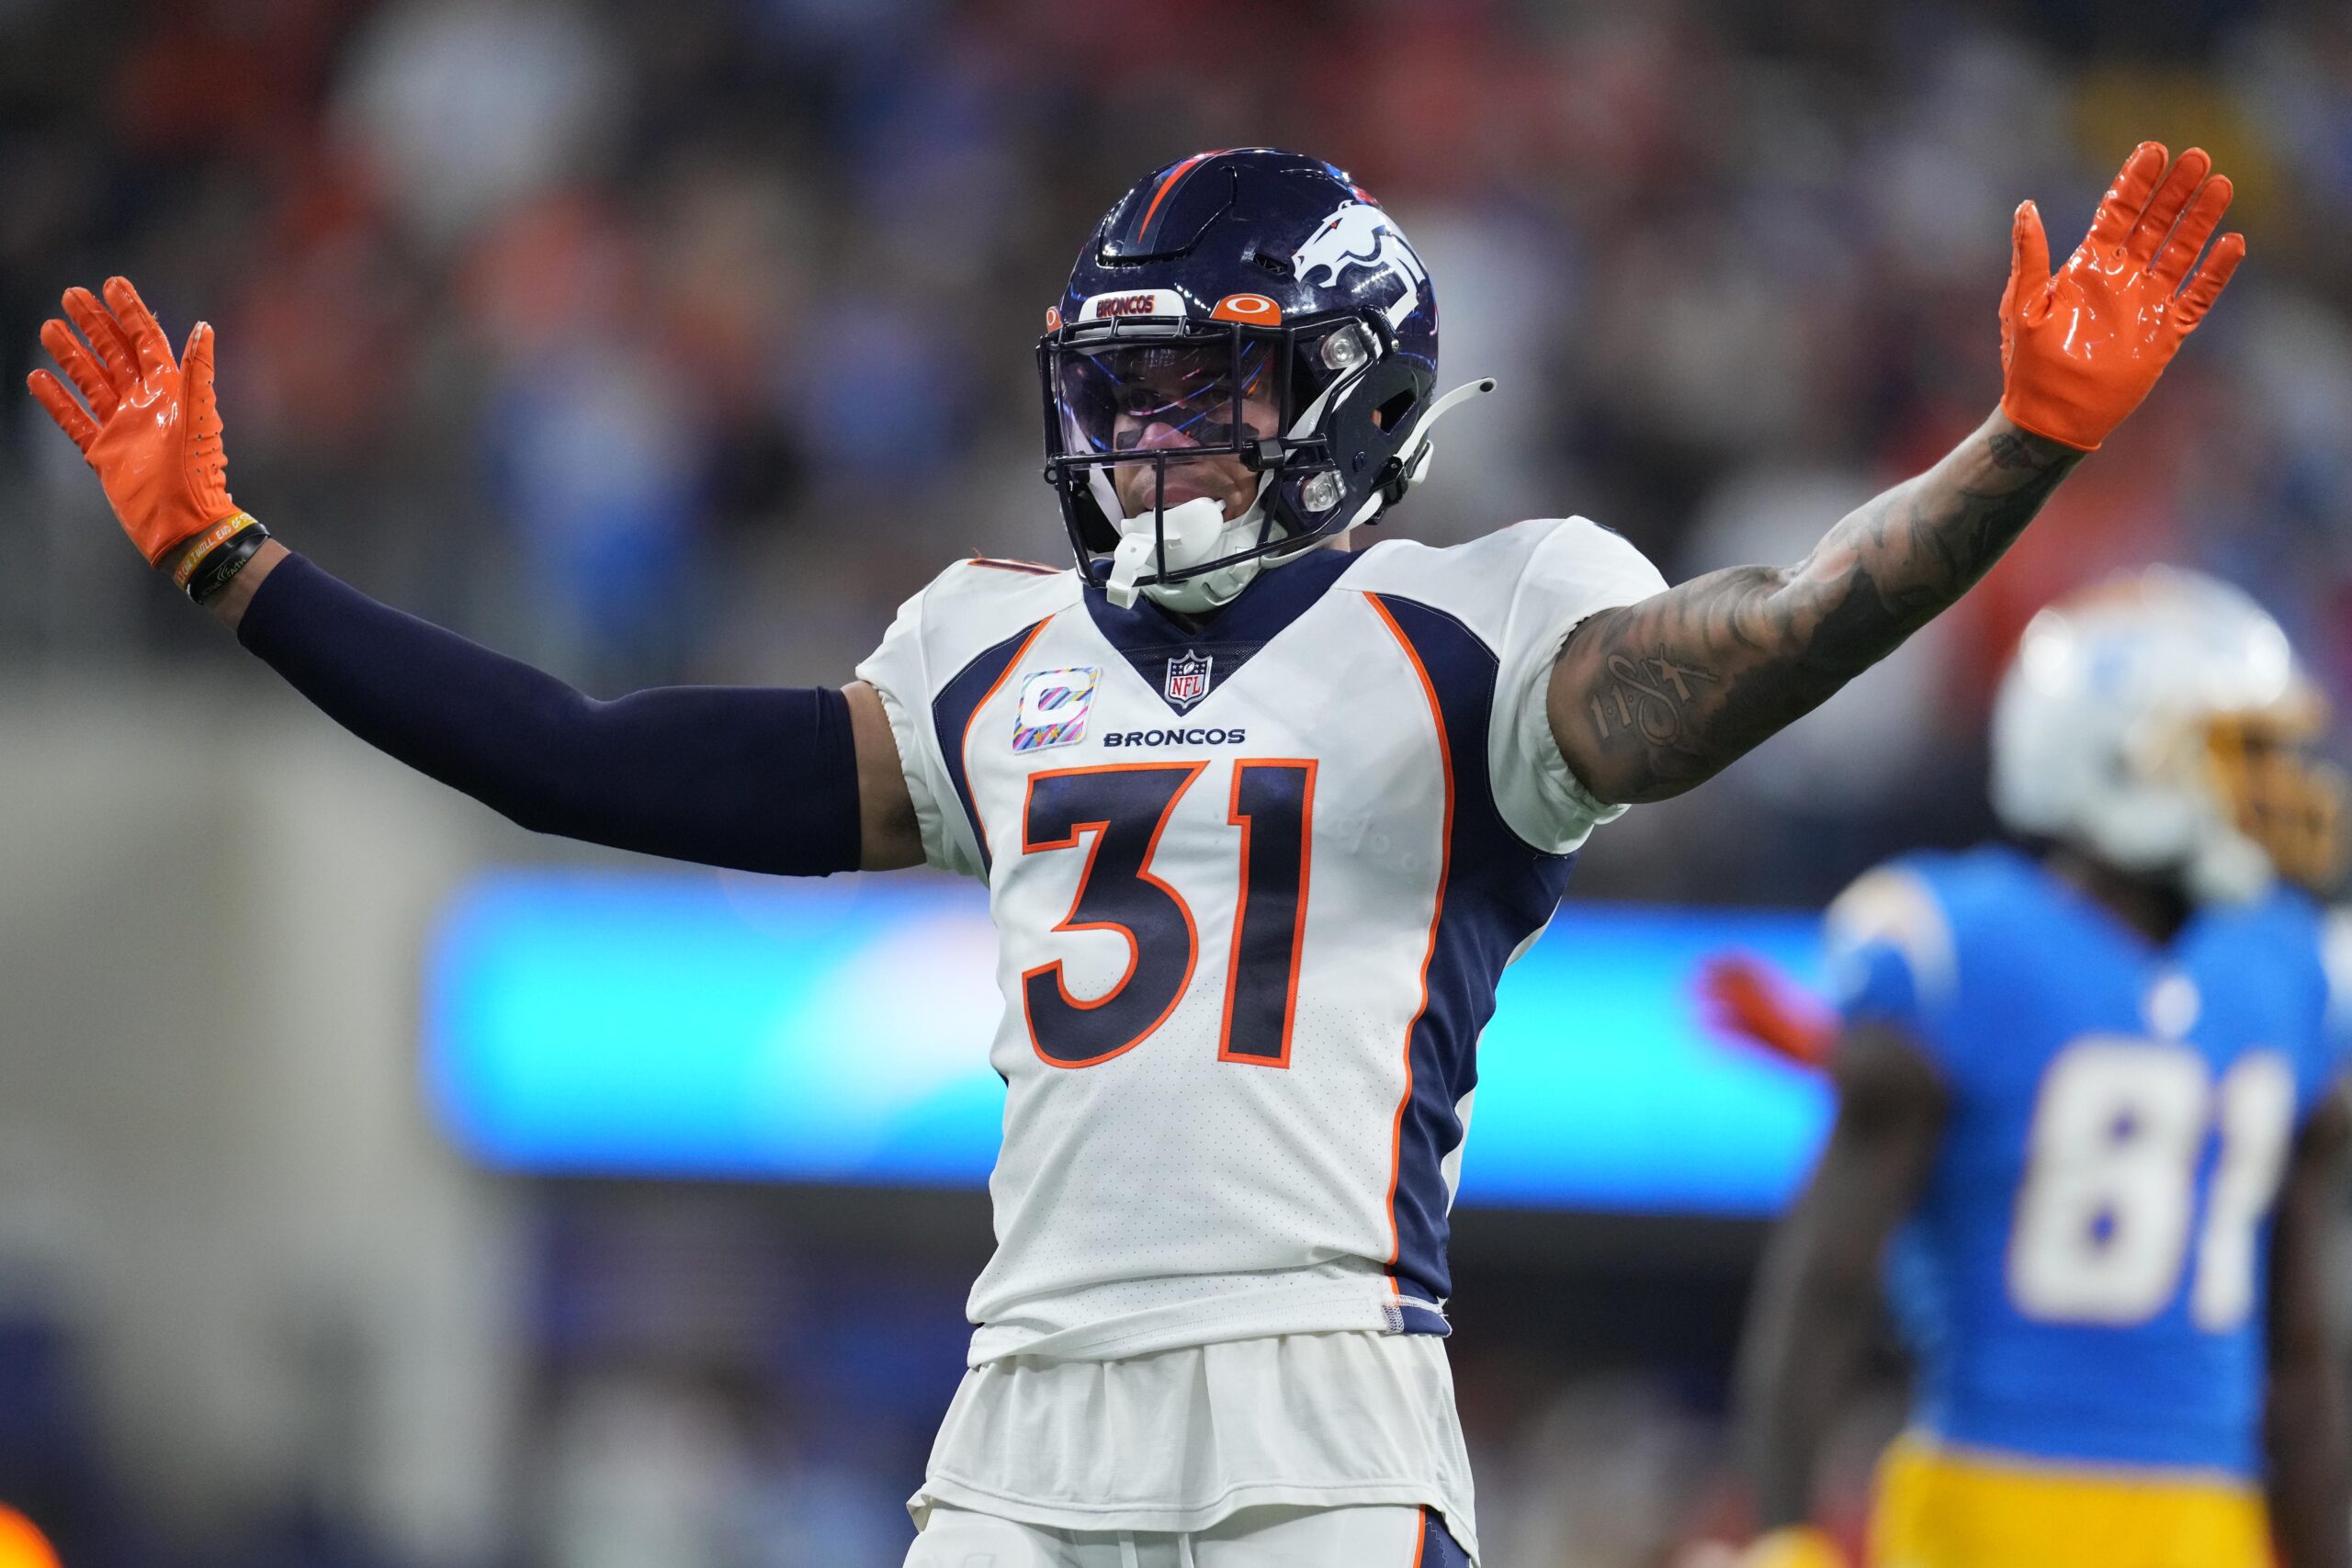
(1252, 315)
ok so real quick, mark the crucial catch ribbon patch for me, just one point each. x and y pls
(1054, 705)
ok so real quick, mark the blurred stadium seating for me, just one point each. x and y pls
(681, 341)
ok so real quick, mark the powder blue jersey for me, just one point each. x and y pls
(2084, 1278)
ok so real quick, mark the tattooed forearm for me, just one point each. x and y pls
(2011, 451)
(1649, 695)
(1648, 700)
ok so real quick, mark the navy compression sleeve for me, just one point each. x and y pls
(752, 778)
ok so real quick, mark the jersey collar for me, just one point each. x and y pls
(1150, 639)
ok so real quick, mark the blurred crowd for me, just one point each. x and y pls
(680, 342)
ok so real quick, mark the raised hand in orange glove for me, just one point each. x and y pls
(2079, 350)
(1745, 997)
(153, 432)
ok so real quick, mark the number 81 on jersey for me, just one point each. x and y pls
(2104, 1220)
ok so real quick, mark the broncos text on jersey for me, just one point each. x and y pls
(1254, 884)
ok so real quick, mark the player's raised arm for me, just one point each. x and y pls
(1649, 699)
(759, 779)
(2303, 1414)
(1818, 1293)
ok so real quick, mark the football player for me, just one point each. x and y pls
(2089, 1116)
(1262, 820)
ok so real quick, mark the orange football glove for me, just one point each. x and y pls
(1746, 999)
(21, 1544)
(2080, 350)
(1799, 1546)
(153, 432)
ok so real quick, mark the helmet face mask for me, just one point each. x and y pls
(1144, 415)
(2281, 795)
(1244, 326)
(1141, 420)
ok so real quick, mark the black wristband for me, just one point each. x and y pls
(219, 568)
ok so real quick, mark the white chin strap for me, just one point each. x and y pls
(1197, 531)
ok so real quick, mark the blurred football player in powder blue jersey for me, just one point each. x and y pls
(2089, 1115)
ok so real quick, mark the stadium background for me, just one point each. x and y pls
(680, 342)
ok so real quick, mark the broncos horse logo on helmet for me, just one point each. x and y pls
(1360, 235)
(1248, 308)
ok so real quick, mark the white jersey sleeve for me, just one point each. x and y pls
(971, 609)
(1579, 567)
(1521, 590)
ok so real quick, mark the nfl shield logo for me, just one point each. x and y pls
(1188, 678)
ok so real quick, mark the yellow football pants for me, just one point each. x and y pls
(1948, 1509)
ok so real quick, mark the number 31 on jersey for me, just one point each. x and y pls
(1117, 811)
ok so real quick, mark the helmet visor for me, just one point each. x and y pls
(1214, 393)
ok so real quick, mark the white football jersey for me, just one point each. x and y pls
(1254, 886)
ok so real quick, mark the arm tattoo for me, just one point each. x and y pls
(1650, 699)
(2010, 451)
(1648, 695)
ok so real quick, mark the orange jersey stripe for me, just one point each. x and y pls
(1437, 912)
(1030, 568)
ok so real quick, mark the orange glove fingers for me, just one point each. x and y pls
(146, 335)
(196, 362)
(2081, 349)
(106, 335)
(208, 468)
(2029, 266)
(2188, 236)
(2211, 279)
(2163, 209)
(59, 405)
(89, 377)
(153, 427)
(2128, 197)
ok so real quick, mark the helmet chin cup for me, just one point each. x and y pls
(1153, 546)
(1196, 531)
